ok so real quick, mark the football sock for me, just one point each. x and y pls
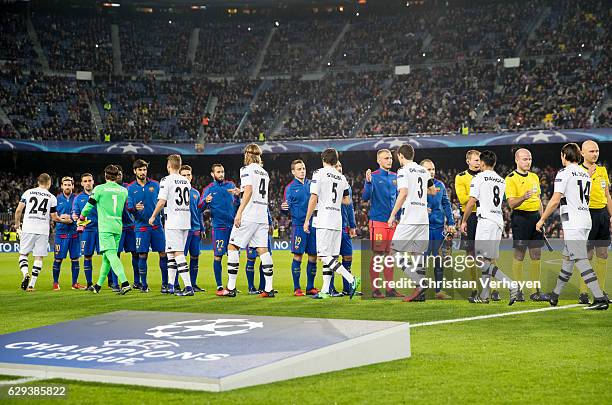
(415, 271)
(183, 270)
(23, 265)
(601, 269)
(296, 269)
(335, 266)
(172, 270)
(485, 280)
(233, 263)
(498, 274)
(567, 267)
(517, 269)
(311, 273)
(88, 270)
(473, 270)
(75, 267)
(57, 265)
(388, 273)
(218, 270)
(589, 277)
(373, 274)
(194, 262)
(267, 268)
(163, 267)
(36, 269)
(136, 267)
(332, 287)
(142, 271)
(112, 279)
(535, 272)
(438, 272)
(250, 274)
(346, 263)
(327, 274)
(262, 278)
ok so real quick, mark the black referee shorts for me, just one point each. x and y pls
(467, 241)
(600, 228)
(524, 234)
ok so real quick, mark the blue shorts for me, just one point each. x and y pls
(192, 246)
(436, 238)
(151, 238)
(127, 243)
(252, 252)
(346, 246)
(220, 239)
(90, 243)
(71, 243)
(302, 242)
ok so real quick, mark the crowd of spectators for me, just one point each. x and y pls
(72, 44)
(155, 43)
(47, 107)
(15, 44)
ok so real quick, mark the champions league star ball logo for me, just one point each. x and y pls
(203, 328)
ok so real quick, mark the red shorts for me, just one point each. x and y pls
(381, 235)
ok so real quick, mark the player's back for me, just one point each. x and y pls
(330, 186)
(489, 188)
(257, 208)
(416, 180)
(39, 203)
(110, 198)
(575, 185)
(175, 189)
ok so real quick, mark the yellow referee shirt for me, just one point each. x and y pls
(600, 181)
(462, 187)
(518, 184)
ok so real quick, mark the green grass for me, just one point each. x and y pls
(549, 357)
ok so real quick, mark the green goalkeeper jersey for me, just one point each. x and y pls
(109, 199)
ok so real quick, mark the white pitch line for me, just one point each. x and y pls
(19, 381)
(475, 318)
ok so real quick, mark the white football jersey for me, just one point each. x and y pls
(489, 189)
(416, 180)
(575, 185)
(256, 209)
(330, 186)
(39, 204)
(175, 189)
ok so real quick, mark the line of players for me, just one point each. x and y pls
(248, 218)
(386, 194)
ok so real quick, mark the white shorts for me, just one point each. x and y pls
(488, 237)
(412, 238)
(176, 239)
(252, 234)
(575, 246)
(34, 243)
(328, 242)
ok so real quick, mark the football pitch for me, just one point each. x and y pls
(553, 356)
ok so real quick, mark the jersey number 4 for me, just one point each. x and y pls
(36, 208)
(262, 188)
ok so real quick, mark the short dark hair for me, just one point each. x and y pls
(138, 163)
(571, 152)
(214, 166)
(407, 151)
(111, 172)
(489, 158)
(86, 175)
(330, 156)
(185, 167)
